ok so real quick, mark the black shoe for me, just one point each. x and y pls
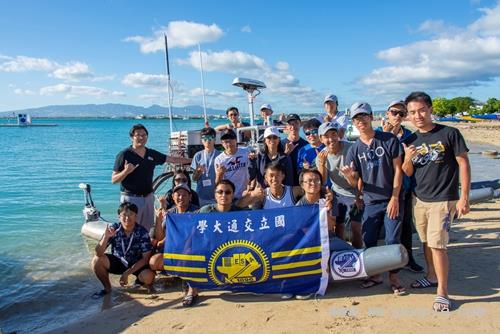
(414, 267)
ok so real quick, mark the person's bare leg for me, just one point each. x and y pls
(100, 266)
(156, 262)
(429, 259)
(440, 258)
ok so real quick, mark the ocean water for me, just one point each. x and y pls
(45, 278)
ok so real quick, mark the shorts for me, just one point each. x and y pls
(433, 221)
(344, 205)
(117, 267)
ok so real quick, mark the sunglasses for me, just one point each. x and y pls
(232, 114)
(225, 192)
(396, 112)
(313, 132)
(207, 138)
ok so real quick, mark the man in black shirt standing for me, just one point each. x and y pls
(134, 169)
(437, 155)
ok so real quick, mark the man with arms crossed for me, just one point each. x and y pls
(437, 155)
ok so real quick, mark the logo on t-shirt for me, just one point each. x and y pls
(426, 154)
(371, 157)
(235, 163)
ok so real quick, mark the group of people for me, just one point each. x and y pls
(390, 178)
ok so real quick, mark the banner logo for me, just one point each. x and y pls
(238, 262)
(346, 264)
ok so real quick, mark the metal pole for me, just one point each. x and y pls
(203, 87)
(169, 87)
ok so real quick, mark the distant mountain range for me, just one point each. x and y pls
(110, 110)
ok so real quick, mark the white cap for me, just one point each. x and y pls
(266, 106)
(271, 131)
(360, 108)
(330, 98)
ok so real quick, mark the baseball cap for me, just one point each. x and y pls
(360, 108)
(325, 127)
(181, 186)
(292, 117)
(228, 134)
(266, 106)
(330, 98)
(395, 103)
(271, 131)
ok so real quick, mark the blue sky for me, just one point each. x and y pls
(80, 52)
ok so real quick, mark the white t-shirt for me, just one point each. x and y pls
(236, 169)
(340, 118)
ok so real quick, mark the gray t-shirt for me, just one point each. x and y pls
(333, 164)
(205, 185)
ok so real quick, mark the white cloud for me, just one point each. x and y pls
(465, 59)
(140, 79)
(246, 29)
(19, 91)
(72, 91)
(197, 92)
(180, 34)
(70, 71)
(25, 64)
(225, 61)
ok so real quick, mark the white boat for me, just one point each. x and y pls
(24, 121)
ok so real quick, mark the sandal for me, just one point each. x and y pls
(189, 300)
(100, 294)
(398, 290)
(423, 283)
(441, 304)
(369, 283)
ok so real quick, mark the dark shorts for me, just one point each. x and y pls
(117, 267)
(344, 205)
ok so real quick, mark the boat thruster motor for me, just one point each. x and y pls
(90, 213)
(361, 263)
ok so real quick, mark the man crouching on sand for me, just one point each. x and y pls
(130, 251)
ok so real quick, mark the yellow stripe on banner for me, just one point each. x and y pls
(300, 273)
(185, 269)
(296, 264)
(187, 257)
(194, 279)
(298, 251)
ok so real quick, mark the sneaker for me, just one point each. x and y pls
(303, 297)
(414, 267)
(286, 296)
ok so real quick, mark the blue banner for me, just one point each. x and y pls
(263, 251)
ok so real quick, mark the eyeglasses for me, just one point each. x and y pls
(396, 112)
(180, 179)
(314, 182)
(232, 114)
(127, 215)
(207, 138)
(140, 135)
(225, 192)
(313, 132)
(272, 137)
(358, 117)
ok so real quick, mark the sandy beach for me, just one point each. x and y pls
(474, 285)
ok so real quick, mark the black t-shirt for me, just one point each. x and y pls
(436, 168)
(140, 181)
(374, 163)
(293, 157)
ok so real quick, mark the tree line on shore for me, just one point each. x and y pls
(464, 104)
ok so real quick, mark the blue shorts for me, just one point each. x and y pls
(343, 205)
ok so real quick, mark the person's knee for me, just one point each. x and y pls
(100, 262)
(147, 276)
(156, 262)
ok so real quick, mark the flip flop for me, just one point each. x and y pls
(99, 294)
(189, 300)
(423, 283)
(398, 290)
(369, 283)
(441, 304)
